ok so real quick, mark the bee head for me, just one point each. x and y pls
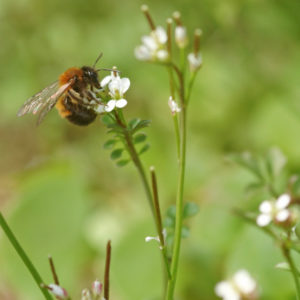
(90, 76)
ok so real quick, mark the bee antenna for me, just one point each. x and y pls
(112, 70)
(99, 56)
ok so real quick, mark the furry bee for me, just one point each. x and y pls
(72, 95)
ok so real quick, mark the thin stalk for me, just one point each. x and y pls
(177, 135)
(159, 221)
(294, 271)
(107, 270)
(190, 86)
(179, 208)
(36, 276)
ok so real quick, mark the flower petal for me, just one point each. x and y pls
(142, 53)
(111, 104)
(244, 282)
(121, 103)
(263, 220)
(105, 80)
(282, 215)
(225, 290)
(162, 55)
(195, 62)
(283, 201)
(124, 85)
(266, 207)
(161, 35)
(149, 42)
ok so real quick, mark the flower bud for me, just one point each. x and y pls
(195, 61)
(86, 295)
(181, 36)
(57, 291)
(97, 288)
(173, 106)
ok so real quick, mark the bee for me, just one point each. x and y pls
(72, 95)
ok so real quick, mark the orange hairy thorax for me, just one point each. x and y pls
(69, 74)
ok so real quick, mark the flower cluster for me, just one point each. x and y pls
(276, 211)
(240, 287)
(153, 46)
(117, 87)
(156, 46)
(112, 93)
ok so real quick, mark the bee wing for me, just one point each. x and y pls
(51, 101)
(34, 103)
(44, 101)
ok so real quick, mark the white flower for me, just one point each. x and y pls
(117, 88)
(173, 106)
(57, 291)
(240, 286)
(153, 46)
(181, 36)
(195, 61)
(274, 211)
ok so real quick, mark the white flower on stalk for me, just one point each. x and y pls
(181, 36)
(173, 106)
(240, 286)
(195, 61)
(154, 46)
(117, 88)
(276, 211)
(57, 291)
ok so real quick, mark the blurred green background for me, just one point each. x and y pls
(63, 196)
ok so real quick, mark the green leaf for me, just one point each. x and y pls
(185, 232)
(190, 209)
(144, 149)
(123, 162)
(171, 212)
(116, 153)
(139, 138)
(169, 222)
(140, 125)
(107, 120)
(133, 122)
(109, 144)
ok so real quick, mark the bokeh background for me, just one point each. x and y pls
(61, 193)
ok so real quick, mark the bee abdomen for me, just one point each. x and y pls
(77, 113)
(80, 115)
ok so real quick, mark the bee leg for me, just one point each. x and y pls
(91, 96)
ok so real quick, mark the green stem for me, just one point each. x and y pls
(179, 208)
(37, 278)
(176, 128)
(190, 86)
(287, 255)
